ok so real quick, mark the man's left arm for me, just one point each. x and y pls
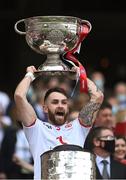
(88, 113)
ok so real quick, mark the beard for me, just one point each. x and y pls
(58, 118)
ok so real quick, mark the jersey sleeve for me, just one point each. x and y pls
(33, 132)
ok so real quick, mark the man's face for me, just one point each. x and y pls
(105, 142)
(105, 118)
(56, 106)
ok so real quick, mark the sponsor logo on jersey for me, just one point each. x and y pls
(60, 139)
(48, 126)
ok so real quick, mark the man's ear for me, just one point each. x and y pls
(96, 142)
(45, 108)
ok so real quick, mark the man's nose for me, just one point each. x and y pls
(109, 117)
(60, 104)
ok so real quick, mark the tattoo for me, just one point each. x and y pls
(87, 112)
(92, 91)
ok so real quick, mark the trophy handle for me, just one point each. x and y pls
(85, 29)
(16, 29)
(88, 24)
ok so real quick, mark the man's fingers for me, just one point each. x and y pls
(31, 69)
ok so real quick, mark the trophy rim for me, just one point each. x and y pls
(53, 16)
(61, 16)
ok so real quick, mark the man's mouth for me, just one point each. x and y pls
(60, 113)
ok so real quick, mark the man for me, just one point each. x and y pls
(99, 79)
(105, 117)
(102, 144)
(44, 136)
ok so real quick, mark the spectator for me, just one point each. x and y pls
(98, 78)
(4, 102)
(114, 103)
(23, 164)
(14, 142)
(5, 120)
(120, 94)
(105, 117)
(102, 144)
(120, 128)
(120, 149)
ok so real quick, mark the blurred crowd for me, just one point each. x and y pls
(15, 158)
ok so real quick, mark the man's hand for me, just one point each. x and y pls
(30, 72)
(77, 70)
(31, 69)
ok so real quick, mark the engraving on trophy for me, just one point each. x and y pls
(63, 164)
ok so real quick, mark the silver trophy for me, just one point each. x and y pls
(68, 164)
(54, 36)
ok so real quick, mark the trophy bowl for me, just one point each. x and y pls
(53, 36)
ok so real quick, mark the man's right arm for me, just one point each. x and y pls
(25, 111)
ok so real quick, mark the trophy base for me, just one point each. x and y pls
(66, 73)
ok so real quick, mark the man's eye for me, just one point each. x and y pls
(54, 102)
(64, 102)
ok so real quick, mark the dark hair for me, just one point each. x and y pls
(121, 137)
(55, 89)
(105, 105)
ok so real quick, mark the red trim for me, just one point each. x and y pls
(58, 128)
(83, 124)
(61, 140)
(31, 124)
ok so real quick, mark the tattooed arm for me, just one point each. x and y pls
(88, 113)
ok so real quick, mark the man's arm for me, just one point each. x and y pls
(25, 111)
(88, 113)
(22, 163)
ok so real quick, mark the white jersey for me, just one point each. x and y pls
(43, 136)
